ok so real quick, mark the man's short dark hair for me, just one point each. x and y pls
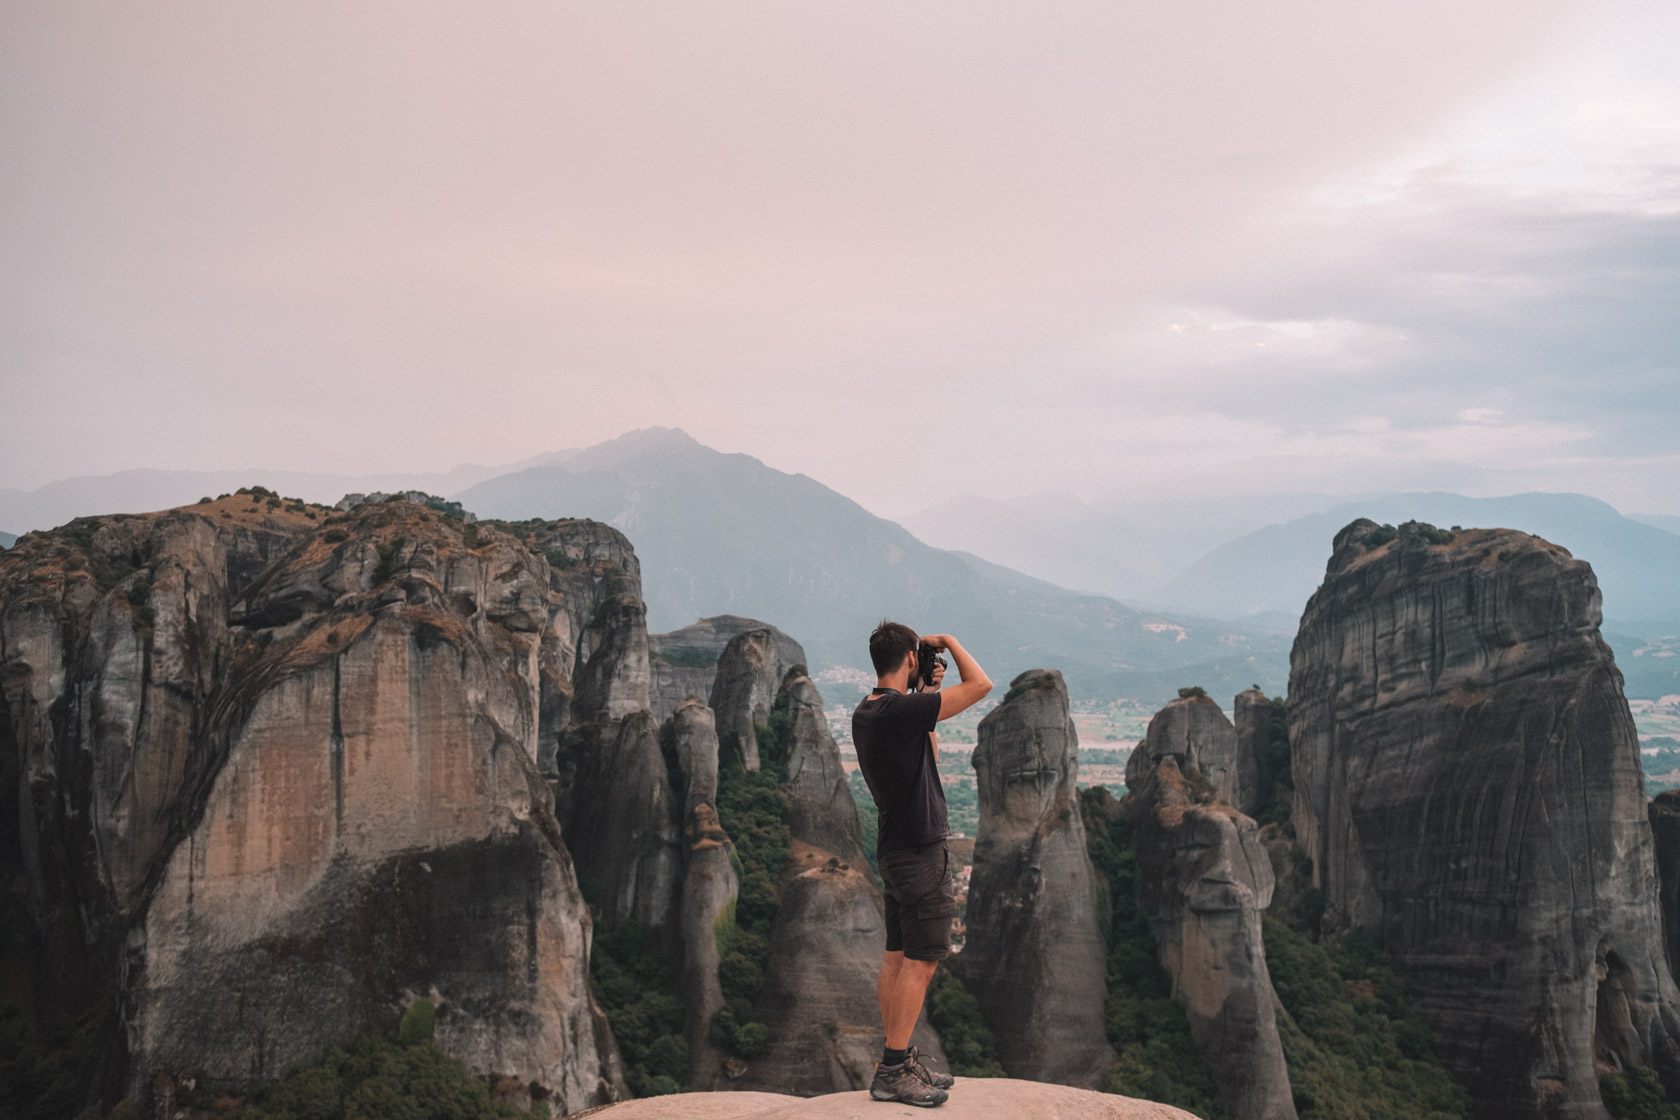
(888, 645)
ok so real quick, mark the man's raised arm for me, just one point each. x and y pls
(974, 684)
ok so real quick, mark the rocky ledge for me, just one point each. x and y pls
(971, 1099)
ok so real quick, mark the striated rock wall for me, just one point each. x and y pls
(685, 661)
(1468, 786)
(1035, 957)
(288, 803)
(1203, 879)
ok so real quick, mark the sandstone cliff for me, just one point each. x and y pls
(1665, 832)
(685, 661)
(1035, 956)
(1203, 880)
(293, 801)
(1467, 783)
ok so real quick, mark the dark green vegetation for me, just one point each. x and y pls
(1636, 1095)
(955, 1014)
(1353, 1046)
(43, 1069)
(376, 1078)
(753, 810)
(687, 658)
(635, 984)
(1158, 1059)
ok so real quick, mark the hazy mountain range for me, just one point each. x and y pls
(720, 533)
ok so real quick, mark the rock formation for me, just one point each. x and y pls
(1254, 714)
(743, 692)
(821, 812)
(1035, 957)
(1665, 831)
(1193, 731)
(1467, 783)
(709, 886)
(288, 773)
(829, 933)
(990, 1098)
(685, 661)
(1203, 880)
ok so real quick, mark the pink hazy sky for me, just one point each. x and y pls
(1123, 249)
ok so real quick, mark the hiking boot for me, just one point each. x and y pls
(932, 1076)
(902, 1085)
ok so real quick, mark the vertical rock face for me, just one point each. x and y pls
(743, 692)
(826, 943)
(1035, 957)
(1195, 733)
(340, 804)
(1203, 880)
(685, 661)
(709, 887)
(1468, 785)
(821, 812)
(1253, 711)
(1665, 831)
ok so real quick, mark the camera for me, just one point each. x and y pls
(926, 658)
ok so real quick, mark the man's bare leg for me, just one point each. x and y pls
(901, 996)
(886, 981)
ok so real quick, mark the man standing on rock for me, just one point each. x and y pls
(892, 730)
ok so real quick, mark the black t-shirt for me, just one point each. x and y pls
(890, 732)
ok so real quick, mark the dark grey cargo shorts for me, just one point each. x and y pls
(921, 901)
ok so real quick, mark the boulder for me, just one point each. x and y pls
(685, 661)
(1195, 733)
(1035, 956)
(1203, 880)
(1468, 786)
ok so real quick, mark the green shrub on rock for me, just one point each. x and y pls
(418, 1022)
(634, 982)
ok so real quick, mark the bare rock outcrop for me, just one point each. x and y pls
(1665, 832)
(1203, 880)
(1195, 733)
(339, 801)
(818, 998)
(744, 691)
(1253, 715)
(1035, 957)
(709, 887)
(685, 661)
(989, 1098)
(1467, 783)
(821, 812)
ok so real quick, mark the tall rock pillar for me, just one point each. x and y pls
(1467, 782)
(1035, 957)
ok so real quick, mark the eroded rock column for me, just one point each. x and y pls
(1035, 956)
